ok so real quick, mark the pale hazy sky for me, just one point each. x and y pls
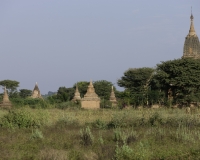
(59, 42)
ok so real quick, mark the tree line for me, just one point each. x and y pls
(169, 83)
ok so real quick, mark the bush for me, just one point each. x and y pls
(105, 104)
(123, 153)
(66, 121)
(36, 134)
(33, 103)
(69, 104)
(18, 102)
(99, 124)
(75, 155)
(36, 103)
(119, 121)
(22, 119)
(125, 137)
(86, 136)
(155, 119)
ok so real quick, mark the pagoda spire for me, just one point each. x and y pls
(76, 94)
(191, 47)
(112, 96)
(192, 30)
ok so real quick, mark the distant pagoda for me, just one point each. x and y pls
(112, 97)
(6, 102)
(36, 92)
(77, 96)
(192, 45)
(91, 99)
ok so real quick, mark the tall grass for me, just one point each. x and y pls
(99, 134)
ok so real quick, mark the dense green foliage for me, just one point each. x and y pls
(174, 81)
(65, 94)
(10, 84)
(181, 77)
(33, 103)
(82, 87)
(103, 89)
(140, 88)
(136, 79)
(24, 93)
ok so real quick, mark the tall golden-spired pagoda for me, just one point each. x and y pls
(192, 45)
(91, 99)
(6, 102)
(36, 92)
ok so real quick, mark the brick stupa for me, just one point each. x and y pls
(91, 99)
(77, 96)
(6, 102)
(36, 92)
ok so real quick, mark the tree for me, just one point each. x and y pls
(23, 93)
(180, 79)
(135, 79)
(103, 89)
(11, 85)
(137, 83)
(65, 94)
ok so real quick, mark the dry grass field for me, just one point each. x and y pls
(55, 134)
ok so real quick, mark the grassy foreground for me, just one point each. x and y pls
(54, 134)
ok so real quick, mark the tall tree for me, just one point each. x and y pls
(103, 88)
(136, 79)
(141, 88)
(180, 79)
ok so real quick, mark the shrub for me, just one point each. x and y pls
(66, 121)
(33, 103)
(20, 119)
(18, 102)
(36, 134)
(123, 153)
(36, 103)
(75, 155)
(99, 124)
(155, 119)
(125, 137)
(105, 104)
(69, 104)
(119, 121)
(86, 136)
(118, 135)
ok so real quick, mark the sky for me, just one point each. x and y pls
(60, 42)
